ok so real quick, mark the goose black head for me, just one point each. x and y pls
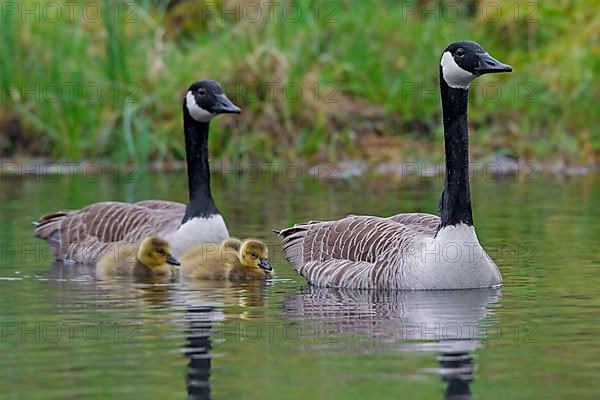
(464, 61)
(205, 100)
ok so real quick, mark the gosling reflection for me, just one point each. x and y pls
(78, 284)
(445, 322)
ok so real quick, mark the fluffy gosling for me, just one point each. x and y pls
(151, 258)
(232, 259)
(209, 260)
(252, 261)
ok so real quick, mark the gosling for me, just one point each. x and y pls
(232, 259)
(209, 260)
(151, 258)
(252, 261)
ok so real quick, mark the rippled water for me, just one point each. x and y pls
(64, 334)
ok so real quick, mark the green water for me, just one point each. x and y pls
(66, 335)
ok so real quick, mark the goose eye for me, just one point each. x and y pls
(460, 52)
(253, 255)
(201, 92)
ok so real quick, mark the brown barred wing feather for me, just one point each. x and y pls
(353, 252)
(162, 205)
(424, 223)
(84, 235)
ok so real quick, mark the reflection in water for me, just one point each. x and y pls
(449, 322)
(60, 271)
(154, 367)
(457, 371)
(208, 305)
(446, 322)
(201, 310)
(197, 349)
(202, 302)
(77, 284)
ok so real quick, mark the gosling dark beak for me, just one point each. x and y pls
(489, 65)
(172, 260)
(225, 106)
(264, 264)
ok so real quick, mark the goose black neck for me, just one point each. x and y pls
(455, 204)
(200, 202)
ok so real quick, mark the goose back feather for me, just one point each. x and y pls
(84, 235)
(356, 251)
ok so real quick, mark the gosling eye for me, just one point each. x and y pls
(161, 252)
(201, 92)
(253, 255)
(460, 52)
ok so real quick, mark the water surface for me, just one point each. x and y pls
(65, 334)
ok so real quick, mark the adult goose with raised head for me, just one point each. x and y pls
(410, 251)
(84, 235)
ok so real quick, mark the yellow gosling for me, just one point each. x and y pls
(151, 258)
(209, 260)
(232, 259)
(252, 261)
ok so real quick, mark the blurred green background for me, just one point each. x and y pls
(317, 80)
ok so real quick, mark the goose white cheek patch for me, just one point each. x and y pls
(455, 76)
(197, 112)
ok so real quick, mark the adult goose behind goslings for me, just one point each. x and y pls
(410, 251)
(84, 235)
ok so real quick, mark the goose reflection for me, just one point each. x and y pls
(457, 371)
(451, 323)
(197, 349)
(208, 305)
(203, 302)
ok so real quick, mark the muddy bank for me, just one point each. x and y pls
(489, 168)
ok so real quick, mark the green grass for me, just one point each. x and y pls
(358, 64)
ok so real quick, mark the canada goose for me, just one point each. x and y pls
(152, 257)
(84, 235)
(410, 251)
(232, 259)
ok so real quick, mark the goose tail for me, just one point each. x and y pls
(47, 224)
(47, 227)
(293, 244)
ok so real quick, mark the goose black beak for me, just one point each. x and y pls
(225, 106)
(489, 65)
(264, 264)
(172, 260)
